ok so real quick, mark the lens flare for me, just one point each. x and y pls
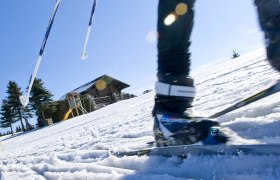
(170, 19)
(181, 9)
(100, 85)
(152, 36)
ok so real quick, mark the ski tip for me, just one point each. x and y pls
(84, 56)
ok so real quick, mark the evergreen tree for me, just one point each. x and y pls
(7, 118)
(13, 101)
(41, 101)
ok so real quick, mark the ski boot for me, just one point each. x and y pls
(175, 121)
(269, 18)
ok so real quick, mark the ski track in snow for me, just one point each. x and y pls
(77, 148)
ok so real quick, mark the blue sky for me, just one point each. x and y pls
(118, 43)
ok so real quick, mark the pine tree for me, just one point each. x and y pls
(7, 118)
(41, 100)
(13, 101)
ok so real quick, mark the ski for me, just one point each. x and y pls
(24, 99)
(267, 92)
(185, 150)
(84, 53)
(260, 95)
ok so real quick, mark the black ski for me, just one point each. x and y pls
(267, 92)
(185, 150)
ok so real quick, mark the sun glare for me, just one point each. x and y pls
(170, 19)
(152, 36)
(181, 9)
(100, 85)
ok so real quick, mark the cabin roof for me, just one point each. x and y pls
(105, 78)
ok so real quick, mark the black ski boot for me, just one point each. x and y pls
(176, 122)
(269, 17)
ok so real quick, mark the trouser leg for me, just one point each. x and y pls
(175, 89)
(174, 38)
(269, 18)
(174, 121)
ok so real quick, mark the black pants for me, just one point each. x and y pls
(173, 40)
(174, 37)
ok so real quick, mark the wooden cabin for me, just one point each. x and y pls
(104, 90)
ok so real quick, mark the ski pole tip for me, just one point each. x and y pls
(24, 100)
(84, 56)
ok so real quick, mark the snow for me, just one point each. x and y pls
(77, 148)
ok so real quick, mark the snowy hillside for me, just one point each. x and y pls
(75, 149)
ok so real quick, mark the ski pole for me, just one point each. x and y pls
(24, 99)
(267, 92)
(84, 53)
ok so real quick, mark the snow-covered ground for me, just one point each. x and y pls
(75, 149)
